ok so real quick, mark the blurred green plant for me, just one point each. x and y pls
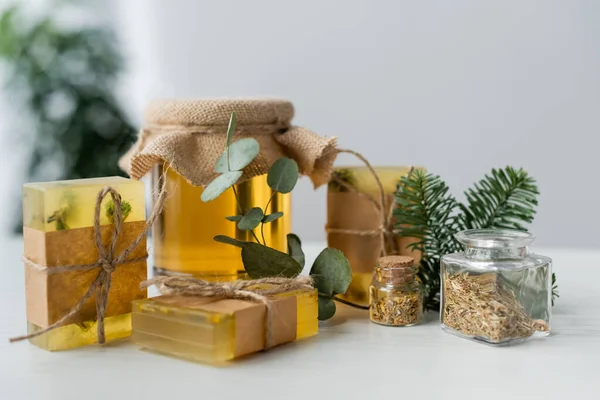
(65, 78)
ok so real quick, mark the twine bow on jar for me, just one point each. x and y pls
(107, 262)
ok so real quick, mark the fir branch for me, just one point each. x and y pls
(427, 213)
(504, 200)
(555, 294)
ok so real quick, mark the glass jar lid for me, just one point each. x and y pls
(495, 238)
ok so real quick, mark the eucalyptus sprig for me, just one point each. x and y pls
(331, 270)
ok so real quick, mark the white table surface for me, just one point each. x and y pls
(349, 358)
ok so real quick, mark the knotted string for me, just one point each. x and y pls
(242, 290)
(107, 262)
(386, 228)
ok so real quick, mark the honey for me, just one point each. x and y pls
(183, 235)
(219, 331)
(58, 230)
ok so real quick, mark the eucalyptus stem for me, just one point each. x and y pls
(262, 224)
(346, 302)
(237, 200)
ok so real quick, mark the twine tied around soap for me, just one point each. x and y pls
(107, 262)
(386, 228)
(257, 290)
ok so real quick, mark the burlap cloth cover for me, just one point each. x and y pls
(189, 135)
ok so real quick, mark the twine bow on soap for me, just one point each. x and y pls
(107, 262)
(257, 290)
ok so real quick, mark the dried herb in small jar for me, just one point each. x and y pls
(396, 296)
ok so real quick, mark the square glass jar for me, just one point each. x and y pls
(495, 291)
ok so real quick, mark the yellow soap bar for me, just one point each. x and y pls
(58, 231)
(61, 205)
(215, 331)
(81, 334)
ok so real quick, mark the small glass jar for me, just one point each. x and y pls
(395, 295)
(495, 291)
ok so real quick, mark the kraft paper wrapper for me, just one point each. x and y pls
(250, 318)
(50, 296)
(347, 210)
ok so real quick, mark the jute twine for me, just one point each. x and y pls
(386, 228)
(107, 262)
(242, 290)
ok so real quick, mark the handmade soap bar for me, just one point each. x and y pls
(58, 231)
(353, 221)
(216, 330)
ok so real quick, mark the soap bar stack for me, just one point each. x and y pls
(216, 330)
(58, 220)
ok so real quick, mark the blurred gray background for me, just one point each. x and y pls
(456, 86)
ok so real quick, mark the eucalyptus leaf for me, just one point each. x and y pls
(229, 240)
(251, 220)
(231, 128)
(294, 246)
(326, 308)
(234, 218)
(261, 262)
(331, 271)
(220, 184)
(283, 175)
(272, 217)
(241, 153)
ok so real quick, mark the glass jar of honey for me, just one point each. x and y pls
(358, 237)
(180, 143)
